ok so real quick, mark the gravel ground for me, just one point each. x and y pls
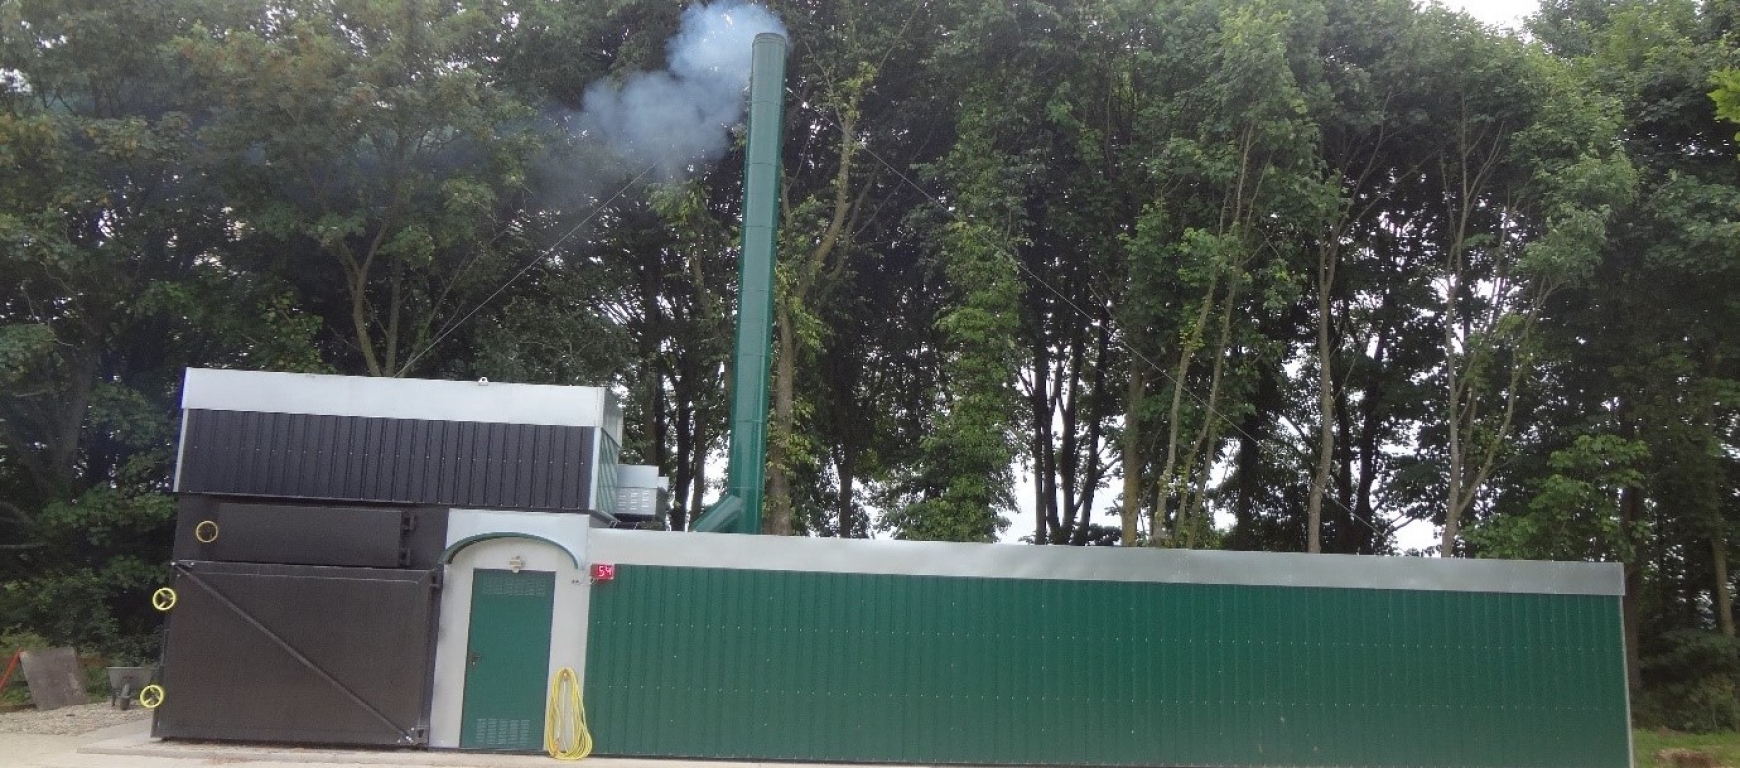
(68, 721)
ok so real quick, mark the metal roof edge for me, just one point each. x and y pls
(1004, 561)
(317, 394)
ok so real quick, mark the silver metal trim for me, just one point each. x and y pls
(180, 453)
(592, 500)
(1008, 561)
(1625, 672)
(568, 532)
(611, 420)
(376, 397)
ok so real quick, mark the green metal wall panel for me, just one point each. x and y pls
(784, 665)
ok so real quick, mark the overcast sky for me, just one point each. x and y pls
(1507, 13)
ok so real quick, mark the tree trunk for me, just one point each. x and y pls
(657, 448)
(795, 296)
(777, 512)
(1325, 404)
(395, 309)
(1248, 473)
(681, 477)
(848, 475)
(359, 321)
(1454, 494)
(53, 469)
(1203, 450)
(1630, 509)
(698, 488)
(1068, 472)
(1370, 428)
(1099, 399)
(1165, 486)
(1352, 532)
(1132, 456)
(1040, 522)
(1724, 591)
(1046, 522)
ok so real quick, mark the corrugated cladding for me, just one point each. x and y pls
(794, 665)
(353, 458)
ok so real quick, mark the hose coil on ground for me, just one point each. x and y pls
(565, 734)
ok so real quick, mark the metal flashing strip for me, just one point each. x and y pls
(180, 454)
(421, 399)
(452, 550)
(567, 532)
(1005, 561)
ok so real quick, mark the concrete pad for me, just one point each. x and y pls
(136, 749)
(28, 750)
(135, 746)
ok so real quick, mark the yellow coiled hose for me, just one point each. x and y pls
(565, 721)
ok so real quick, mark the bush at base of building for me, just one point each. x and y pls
(1691, 682)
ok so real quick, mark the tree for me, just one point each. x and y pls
(965, 480)
(113, 277)
(1727, 95)
(830, 200)
(1640, 354)
(360, 156)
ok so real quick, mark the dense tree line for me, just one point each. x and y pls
(1277, 275)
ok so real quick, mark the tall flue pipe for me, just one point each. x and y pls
(739, 510)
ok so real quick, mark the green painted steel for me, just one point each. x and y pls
(739, 510)
(788, 665)
(507, 660)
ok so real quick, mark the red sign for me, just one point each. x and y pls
(603, 571)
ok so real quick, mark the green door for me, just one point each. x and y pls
(507, 660)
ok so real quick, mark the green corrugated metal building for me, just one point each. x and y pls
(765, 648)
(710, 645)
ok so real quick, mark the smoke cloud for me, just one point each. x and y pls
(681, 117)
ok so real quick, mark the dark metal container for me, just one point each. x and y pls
(300, 654)
(252, 531)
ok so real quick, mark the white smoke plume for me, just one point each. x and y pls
(681, 117)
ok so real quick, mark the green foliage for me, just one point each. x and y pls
(21, 346)
(95, 610)
(965, 481)
(1575, 515)
(114, 275)
(350, 131)
(1727, 95)
(1693, 682)
(969, 451)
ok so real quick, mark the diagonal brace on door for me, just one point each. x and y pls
(405, 736)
